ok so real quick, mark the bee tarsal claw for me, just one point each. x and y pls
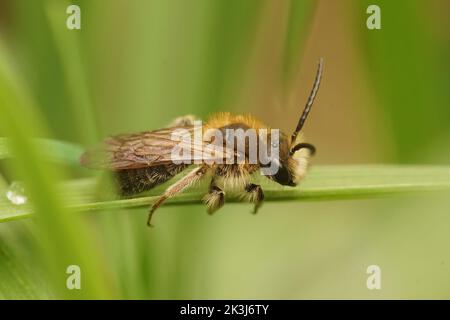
(256, 208)
(255, 195)
(149, 220)
(214, 200)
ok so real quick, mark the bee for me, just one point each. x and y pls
(144, 160)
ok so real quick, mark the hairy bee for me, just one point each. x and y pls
(144, 160)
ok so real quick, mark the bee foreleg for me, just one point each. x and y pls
(179, 186)
(255, 195)
(215, 199)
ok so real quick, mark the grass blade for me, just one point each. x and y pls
(53, 150)
(62, 236)
(322, 183)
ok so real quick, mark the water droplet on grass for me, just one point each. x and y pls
(16, 193)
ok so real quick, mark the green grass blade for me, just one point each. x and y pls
(52, 150)
(297, 27)
(408, 75)
(62, 236)
(322, 183)
(68, 44)
(16, 282)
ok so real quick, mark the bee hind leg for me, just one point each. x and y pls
(215, 199)
(255, 195)
(192, 177)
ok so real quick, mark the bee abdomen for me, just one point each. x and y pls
(134, 181)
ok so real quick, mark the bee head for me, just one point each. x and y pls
(292, 162)
(294, 154)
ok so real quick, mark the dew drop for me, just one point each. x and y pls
(16, 193)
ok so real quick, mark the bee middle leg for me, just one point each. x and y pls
(215, 198)
(255, 195)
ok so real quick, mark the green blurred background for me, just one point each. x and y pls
(136, 65)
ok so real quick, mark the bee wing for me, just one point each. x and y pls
(151, 148)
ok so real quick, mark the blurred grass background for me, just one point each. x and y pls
(135, 65)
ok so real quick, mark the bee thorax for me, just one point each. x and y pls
(234, 175)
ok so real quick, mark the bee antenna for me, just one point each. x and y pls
(310, 101)
(305, 145)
